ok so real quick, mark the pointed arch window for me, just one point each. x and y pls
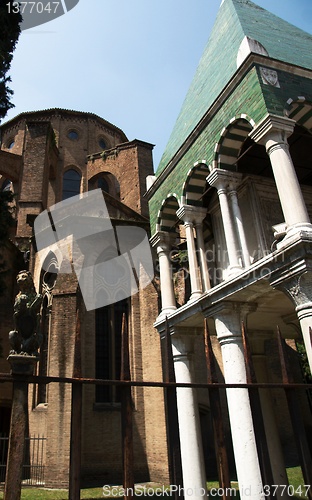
(108, 323)
(48, 278)
(7, 185)
(71, 183)
(43, 361)
(103, 184)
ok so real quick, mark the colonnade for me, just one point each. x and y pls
(271, 132)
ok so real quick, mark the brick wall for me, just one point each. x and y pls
(47, 150)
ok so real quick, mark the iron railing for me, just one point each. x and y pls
(33, 462)
(35, 465)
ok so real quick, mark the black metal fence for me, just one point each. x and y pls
(33, 462)
(35, 446)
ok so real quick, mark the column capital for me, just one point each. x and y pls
(235, 179)
(229, 317)
(298, 287)
(177, 330)
(163, 239)
(273, 125)
(231, 309)
(219, 178)
(191, 214)
(182, 346)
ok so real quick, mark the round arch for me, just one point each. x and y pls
(232, 138)
(299, 109)
(105, 181)
(195, 184)
(167, 216)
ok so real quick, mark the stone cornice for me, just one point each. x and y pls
(273, 269)
(119, 147)
(48, 114)
(270, 124)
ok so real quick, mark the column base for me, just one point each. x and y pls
(164, 313)
(195, 296)
(302, 230)
(234, 270)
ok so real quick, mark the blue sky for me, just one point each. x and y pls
(129, 61)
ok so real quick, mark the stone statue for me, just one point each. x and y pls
(26, 337)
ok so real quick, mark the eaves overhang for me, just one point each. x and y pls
(247, 65)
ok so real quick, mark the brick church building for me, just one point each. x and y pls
(46, 157)
(229, 210)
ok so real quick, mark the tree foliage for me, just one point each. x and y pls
(9, 33)
(304, 362)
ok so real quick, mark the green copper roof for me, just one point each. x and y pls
(235, 20)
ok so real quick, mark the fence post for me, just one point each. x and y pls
(295, 415)
(256, 410)
(76, 417)
(21, 365)
(216, 414)
(126, 414)
(171, 407)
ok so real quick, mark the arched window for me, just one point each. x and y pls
(108, 323)
(71, 184)
(107, 182)
(7, 185)
(44, 349)
(102, 143)
(103, 184)
(48, 278)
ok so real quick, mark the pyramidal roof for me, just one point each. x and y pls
(236, 19)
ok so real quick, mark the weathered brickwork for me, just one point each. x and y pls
(46, 145)
(131, 182)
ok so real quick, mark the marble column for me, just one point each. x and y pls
(219, 179)
(163, 241)
(186, 213)
(194, 477)
(228, 327)
(198, 223)
(273, 132)
(234, 181)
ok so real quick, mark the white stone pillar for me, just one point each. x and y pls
(273, 132)
(304, 313)
(186, 214)
(198, 222)
(228, 328)
(219, 179)
(234, 181)
(194, 477)
(163, 242)
(299, 289)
